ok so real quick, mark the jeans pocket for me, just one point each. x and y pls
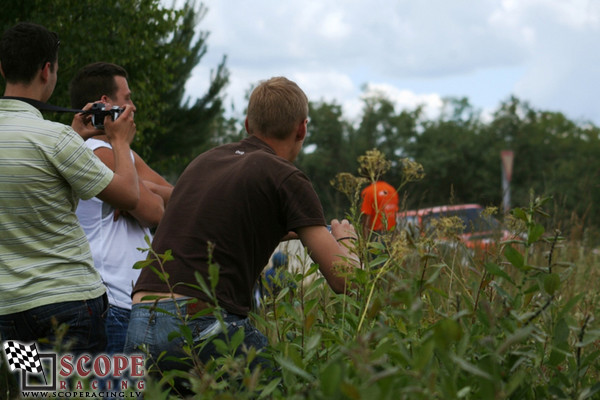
(85, 325)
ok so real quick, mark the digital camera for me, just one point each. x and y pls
(99, 112)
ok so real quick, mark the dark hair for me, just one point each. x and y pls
(94, 81)
(26, 48)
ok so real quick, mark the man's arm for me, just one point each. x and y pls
(152, 180)
(333, 257)
(150, 208)
(161, 190)
(123, 191)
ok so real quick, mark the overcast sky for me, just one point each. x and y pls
(546, 52)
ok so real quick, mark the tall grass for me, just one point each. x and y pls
(431, 320)
(426, 319)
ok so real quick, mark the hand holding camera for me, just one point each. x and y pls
(99, 112)
(91, 121)
(121, 128)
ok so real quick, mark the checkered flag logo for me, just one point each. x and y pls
(23, 357)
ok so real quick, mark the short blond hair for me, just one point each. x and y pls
(276, 107)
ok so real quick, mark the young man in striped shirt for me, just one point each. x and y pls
(47, 277)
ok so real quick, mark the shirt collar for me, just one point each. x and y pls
(255, 141)
(19, 106)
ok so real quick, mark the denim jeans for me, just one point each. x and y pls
(117, 321)
(152, 327)
(85, 319)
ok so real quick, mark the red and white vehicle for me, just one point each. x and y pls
(480, 231)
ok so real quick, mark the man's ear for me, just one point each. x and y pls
(301, 131)
(46, 71)
(2, 71)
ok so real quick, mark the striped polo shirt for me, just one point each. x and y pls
(45, 168)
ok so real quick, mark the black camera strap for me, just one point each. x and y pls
(42, 106)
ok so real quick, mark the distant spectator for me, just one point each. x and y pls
(379, 207)
(275, 276)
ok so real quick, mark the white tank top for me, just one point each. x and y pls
(114, 244)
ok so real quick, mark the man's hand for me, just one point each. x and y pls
(121, 130)
(120, 213)
(123, 191)
(343, 230)
(82, 124)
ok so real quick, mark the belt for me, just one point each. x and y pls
(194, 307)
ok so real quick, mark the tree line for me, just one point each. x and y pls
(459, 150)
(460, 154)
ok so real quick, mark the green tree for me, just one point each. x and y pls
(461, 160)
(387, 129)
(159, 48)
(326, 153)
(384, 128)
(554, 156)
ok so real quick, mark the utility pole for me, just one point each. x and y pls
(507, 157)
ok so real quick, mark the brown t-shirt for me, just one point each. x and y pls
(242, 198)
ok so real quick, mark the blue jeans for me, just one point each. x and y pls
(152, 328)
(117, 321)
(85, 319)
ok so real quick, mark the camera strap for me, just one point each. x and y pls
(42, 106)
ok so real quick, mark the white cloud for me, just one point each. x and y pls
(541, 50)
(334, 27)
(562, 68)
(325, 85)
(406, 100)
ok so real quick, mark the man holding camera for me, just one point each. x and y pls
(47, 277)
(114, 235)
